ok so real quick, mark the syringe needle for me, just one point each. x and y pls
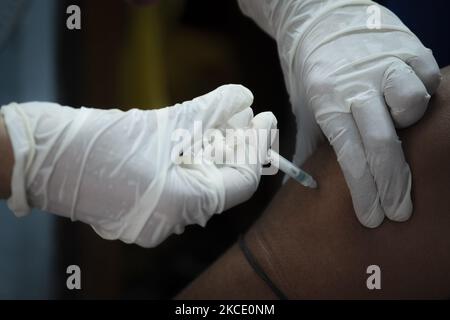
(292, 170)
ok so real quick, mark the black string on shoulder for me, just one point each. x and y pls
(259, 270)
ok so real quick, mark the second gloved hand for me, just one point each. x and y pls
(115, 170)
(356, 72)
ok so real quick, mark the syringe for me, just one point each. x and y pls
(291, 170)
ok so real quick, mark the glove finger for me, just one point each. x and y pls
(384, 155)
(217, 107)
(405, 94)
(240, 120)
(427, 69)
(240, 184)
(343, 135)
(241, 179)
(264, 123)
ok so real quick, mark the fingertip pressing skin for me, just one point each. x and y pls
(404, 210)
(343, 135)
(427, 69)
(375, 216)
(405, 94)
(385, 156)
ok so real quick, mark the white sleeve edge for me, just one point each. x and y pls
(17, 131)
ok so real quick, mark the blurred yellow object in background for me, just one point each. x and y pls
(143, 74)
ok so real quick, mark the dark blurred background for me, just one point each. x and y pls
(148, 57)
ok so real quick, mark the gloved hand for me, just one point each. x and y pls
(356, 84)
(120, 171)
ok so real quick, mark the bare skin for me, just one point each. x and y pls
(6, 161)
(311, 245)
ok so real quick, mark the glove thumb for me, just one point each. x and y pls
(217, 107)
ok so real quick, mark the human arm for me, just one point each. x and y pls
(313, 248)
(354, 79)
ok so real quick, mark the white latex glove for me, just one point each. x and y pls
(356, 84)
(115, 171)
